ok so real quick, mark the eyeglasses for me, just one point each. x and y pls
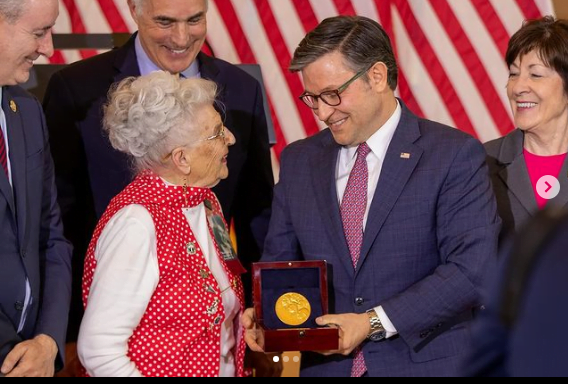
(222, 133)
(331, 98)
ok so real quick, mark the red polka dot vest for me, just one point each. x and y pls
(180, 332)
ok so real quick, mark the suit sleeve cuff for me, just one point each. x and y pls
(387, 324)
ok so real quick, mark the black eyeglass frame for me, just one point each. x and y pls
(335, 93)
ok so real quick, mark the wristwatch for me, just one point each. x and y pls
(378, 332)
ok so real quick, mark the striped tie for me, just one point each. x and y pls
(353, 208)
(3, 153)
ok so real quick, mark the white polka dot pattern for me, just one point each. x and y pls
(179, 335)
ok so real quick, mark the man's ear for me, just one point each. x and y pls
(133, 11)
(180, 158)
(378, 75)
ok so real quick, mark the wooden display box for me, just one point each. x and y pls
(308, 278)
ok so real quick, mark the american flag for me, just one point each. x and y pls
(450, 52)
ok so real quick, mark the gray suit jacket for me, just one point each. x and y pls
(515, 196)
(32, 244)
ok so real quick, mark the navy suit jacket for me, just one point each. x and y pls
(430, 237)
(90, 172)
(536, 345)
(32, 244)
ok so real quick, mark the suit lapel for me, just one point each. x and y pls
(515, 174)
(396, 172)
(126, 62)
(324, 166)
(207, 67)
(18, 165)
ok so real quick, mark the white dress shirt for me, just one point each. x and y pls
(379, 144)
(125, 279)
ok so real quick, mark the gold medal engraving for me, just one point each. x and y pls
(293, 309)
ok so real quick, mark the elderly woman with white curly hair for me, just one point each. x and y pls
(161, 288)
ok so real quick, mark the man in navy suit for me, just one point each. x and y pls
(400, 207)
(35, 259)
(90, 173)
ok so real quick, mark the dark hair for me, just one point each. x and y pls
(549, 38)
(361, 41)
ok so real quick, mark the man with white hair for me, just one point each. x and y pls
(35, 259)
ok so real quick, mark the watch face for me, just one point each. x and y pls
(379, 336)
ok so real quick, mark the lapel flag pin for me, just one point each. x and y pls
(13, 106)
(405, 155)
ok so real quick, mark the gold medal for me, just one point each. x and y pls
(293, 309)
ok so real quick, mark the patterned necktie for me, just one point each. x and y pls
(353, 208)
(3, 153)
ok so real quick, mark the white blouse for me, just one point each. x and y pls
(125, 279)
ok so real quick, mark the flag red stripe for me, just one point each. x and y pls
(529, 8)
(77, 25)
(246, 55)
(283, 55)
(385, 15)
(345, 7)
(436, 70)
(306, 13)
(493, 23)
(236, 32)
(113, 16)
(407, 96)
(474, 65)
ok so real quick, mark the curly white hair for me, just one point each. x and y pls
(148, 116)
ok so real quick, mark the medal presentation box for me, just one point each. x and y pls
(288, 298)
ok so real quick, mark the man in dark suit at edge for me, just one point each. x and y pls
(35, 259)
(90, 173)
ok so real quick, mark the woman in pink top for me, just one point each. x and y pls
(528, 167)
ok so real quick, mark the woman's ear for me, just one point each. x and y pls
(180, 158)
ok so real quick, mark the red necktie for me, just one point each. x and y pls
(353, 208)
(3, 152)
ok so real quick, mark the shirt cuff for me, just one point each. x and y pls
(387, 324)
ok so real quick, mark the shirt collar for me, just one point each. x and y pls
(2, 116)
(147, 66)
(380, 141)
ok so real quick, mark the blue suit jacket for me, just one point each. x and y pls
(537, 343)
(430, 237)
(32, 244)
(90, 172)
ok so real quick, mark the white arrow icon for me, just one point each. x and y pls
(548, 187)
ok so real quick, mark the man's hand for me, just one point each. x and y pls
(253, 336)
(353, 330)
(32, 358)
